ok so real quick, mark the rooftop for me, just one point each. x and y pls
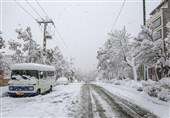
(159, 6)
(32, 66)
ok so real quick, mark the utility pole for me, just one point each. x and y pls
(45, 36)
(144, 13)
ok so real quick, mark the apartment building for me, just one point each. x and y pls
(157, 22)
(159, 17)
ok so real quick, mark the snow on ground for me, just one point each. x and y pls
(52, 105)
(128, 92)
(105, 107)
(3, 90)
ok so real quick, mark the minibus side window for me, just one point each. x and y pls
(45, 74)
(50, 73)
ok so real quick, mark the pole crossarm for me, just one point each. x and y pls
(45, 23)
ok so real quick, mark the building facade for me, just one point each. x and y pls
(157, 22)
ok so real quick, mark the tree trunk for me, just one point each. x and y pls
(135, 73)
(134, 70)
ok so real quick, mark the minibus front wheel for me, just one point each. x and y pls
(38, 91)
(51, 88)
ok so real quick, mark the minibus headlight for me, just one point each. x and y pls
(11, 88)
(31, 88)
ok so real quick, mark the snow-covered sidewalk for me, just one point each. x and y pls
(159, 108)
(58, 103)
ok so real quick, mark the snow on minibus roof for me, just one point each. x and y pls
(32, 66)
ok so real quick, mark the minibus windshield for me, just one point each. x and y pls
(24, 74)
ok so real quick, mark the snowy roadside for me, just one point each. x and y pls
(3, 90)
(55, 104)
(159, 108)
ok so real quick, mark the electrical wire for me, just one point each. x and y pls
(61, 38)
(56, 30)
(42, 8)
(33, 9)
(25, 10)
(119, 13)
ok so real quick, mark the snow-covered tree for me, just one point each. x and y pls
(2, 41)
(167, 40)
(25, 48)
(147, 50)
(4, 65)
(29, 47)
(15, 46)
(166, 65)
(36, 56)
(152, 52)
(63, 67)
(1, 46)
(116, 56)
(55, 57)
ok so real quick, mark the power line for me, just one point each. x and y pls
(25, 10)
(33, 9)
(61, 38)
(42, 8)
(116, 19)
(40, 22)
(56, 30)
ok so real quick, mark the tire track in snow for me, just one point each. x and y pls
(132, 110)
(85, 108)
(111, 109)
(116, 110)
(100, 108)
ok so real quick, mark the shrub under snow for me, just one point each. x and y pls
(152, 90)
(165, 89)
(164, 95)
(160, 89)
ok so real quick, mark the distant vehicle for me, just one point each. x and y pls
(29, 79)
(62, 81)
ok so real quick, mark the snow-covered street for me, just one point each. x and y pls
(77, 100)
(100, 103)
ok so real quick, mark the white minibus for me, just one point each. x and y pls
(29, 79)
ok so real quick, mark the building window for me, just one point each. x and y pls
(157, 35)
(156, 23)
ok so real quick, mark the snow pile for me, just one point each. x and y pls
(151, 89)
(127, 82)
(160, 89)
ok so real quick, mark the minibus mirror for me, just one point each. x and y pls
(41, 74)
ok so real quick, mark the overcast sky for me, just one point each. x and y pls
(83, 24)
